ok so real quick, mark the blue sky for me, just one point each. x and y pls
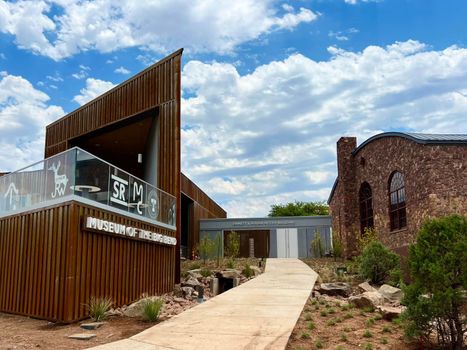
(268, 86)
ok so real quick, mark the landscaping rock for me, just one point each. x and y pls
(114, 312)
(82, 336)
(336, 288)
(195, 273)
(390, 312)
(366, 287)
(188, 291)
(390, 293)
(367, 299)
(92, 325)
(230, 273)
(190, 282)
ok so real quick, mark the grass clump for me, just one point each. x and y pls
(367, 334)
(331, 322)
(310, 325)
(370, 322)
(247, 271)
(368, 346)
(386, 329)
(230, 264)
(305, 335)
(151, 309)
(194, 266)
(383, 341)
(344, 337)
(98, 308)
(323, 313)
(347, 329)
(319, 344)
(205, 272)
(332, 311)
(348, 315)
(307, 316)
(368, 309)
(378, 317)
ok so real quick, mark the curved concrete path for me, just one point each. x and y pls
(259, 314)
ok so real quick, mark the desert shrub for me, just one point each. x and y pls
(377, 262)
(247, 271)
(337, 246)
(232, 248)
(206, 248)
(98, 307)
(317, 246)
(437, 296)
(151, 309)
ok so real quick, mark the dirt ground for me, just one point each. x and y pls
(331, 324)
(18, 332)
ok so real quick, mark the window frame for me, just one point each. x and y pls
(397, 201)
(366, 207)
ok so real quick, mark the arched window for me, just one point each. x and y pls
(366, 207)
(397, 212)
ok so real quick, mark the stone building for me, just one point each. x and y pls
(393, 182)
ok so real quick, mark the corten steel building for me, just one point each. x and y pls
(395, 181)
(107, 210)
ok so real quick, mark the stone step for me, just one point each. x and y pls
(82, 336)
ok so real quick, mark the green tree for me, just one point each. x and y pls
(317, 246)
(206, 248)
(233, 245)
(299, 209)
(437, 296)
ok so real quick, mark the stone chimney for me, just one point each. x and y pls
(346, 178)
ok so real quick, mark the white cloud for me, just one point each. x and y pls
(24, 113)
(122, 70)
(94, 88)
(204, 26)
(272, 132)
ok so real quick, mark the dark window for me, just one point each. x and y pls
(366, 207)
(397, 213)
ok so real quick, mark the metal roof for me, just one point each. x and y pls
(441, 139)
(421, 138)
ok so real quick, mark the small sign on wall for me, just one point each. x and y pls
(104, 226)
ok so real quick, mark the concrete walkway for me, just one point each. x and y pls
(259, 314)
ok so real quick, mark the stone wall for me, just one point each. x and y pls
(435, 185)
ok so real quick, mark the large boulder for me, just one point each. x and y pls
(390, 312)
(367, 299)
(366, 287)
(390, 293)
(335, 288)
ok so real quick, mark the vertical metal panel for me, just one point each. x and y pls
(50, 267)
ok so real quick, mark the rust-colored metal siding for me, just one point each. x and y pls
(157, 86)
(203, 208)
(50, 266)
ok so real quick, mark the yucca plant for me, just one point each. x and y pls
(151, 309)
(98, 307)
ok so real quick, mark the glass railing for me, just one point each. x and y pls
(78, 173)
